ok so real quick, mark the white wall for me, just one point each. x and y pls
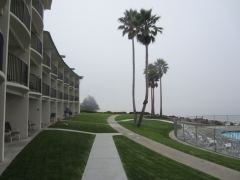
(35, 112)
(46, 112)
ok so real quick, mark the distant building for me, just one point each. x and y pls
(36, 85)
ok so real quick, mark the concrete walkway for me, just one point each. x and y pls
(213, 169)
(104, 162)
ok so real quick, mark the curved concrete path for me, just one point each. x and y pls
(213, 169)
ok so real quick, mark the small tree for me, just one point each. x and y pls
(89, 104)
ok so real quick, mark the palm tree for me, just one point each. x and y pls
(129, 26)
(162, 68)
(152, 83)
(147, 32)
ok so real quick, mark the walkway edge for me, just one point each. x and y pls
(205, 166)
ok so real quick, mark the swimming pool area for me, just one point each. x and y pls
(232, 134)
(221, 139)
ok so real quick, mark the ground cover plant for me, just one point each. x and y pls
(140, 163)
(54, 155)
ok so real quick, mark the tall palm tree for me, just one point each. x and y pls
(162, 68)
(152, 83)
(129, 26)
(147, 32)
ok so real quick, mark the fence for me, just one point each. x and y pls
(209, 137)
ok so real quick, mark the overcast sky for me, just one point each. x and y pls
(200, 42)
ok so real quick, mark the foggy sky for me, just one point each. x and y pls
(200, 42)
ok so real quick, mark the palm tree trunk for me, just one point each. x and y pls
(151, 101)
(133, 83)
(153, 104)
(160, 96)
(146, 93)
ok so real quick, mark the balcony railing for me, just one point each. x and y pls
(60, 95)
(65, 97)
(36, 43)
(35, 83)
(45, 89)
(53, 69)
(60, 75)
(17, 70)
(38, 6)
(71, 98)
(71, 83)
(46, 59)
(53, 93)
(66, 80)
(20, 9)
(76, 98)
(1, 51)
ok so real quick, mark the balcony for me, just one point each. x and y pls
(76, 98)
(17, 70)
(53, 69)
(53, 93)
(71, 83)
(60, 95)
(46, 60)
(66, 80)
(77, 86)
(60, 75)
(65, 97)
(36, 43)
(71, 98)
(38, 6)
(20, 9)
(45, 89)
(35, 83)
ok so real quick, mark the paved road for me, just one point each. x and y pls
(213, 169)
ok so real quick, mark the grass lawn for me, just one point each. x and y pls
(141, 163)
(159, 131)
(51, 155)
(124, 116)
(91, 122)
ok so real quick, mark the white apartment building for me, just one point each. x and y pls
(36, 85)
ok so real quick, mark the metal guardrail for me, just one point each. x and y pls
(17, 70)
(209, 137)
(46, 59)
(60, 75)
(53, 93)
(35, 83)
(53, 69)
(60, 95)
(20, 9)
(38, 6)
(36, 42)
(65, 96)
(45, 89)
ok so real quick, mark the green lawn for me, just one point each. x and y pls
(141, 163)
(124, 116)
(91, 122)
(51, 155)
(159, 131)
